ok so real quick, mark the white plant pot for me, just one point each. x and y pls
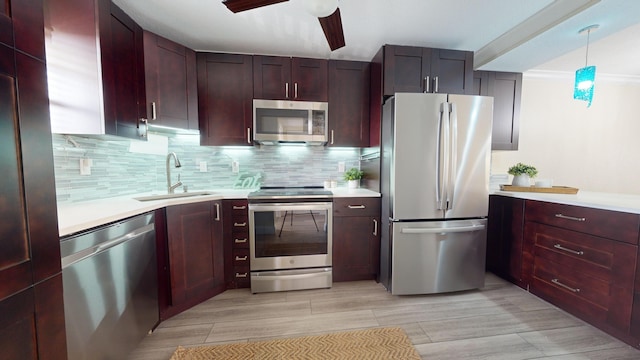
(353, 184)
(521, 180)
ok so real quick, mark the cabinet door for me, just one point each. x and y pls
(505, 238)
(349, 84)
(121, 41)
(171, 83)
(356, 238)
(356, 248)
(451, 71)
(272, 77)
(309, 78)
(225, 101)
(196, 259)
(506, 89)
(406, 69)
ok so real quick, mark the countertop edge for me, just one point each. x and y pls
(77, 217)
(606, 201)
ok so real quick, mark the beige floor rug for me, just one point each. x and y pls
(371, 344)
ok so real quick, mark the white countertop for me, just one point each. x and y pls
(598, 200)
(81, 216)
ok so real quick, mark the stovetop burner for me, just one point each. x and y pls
(302, 192)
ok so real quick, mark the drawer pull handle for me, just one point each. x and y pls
(356, 206)
(570, 217)
(244, 258)
(239, 207)
(240, 241)
(241, 275)
(555, 281)
(558, 246)
(240, 224)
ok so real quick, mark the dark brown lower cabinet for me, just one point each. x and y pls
(32, 323)
(195, 254)
(356, 238)
(236, 243)
(505, 238)
(583, 260)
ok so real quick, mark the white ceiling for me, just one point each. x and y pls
(541, 43)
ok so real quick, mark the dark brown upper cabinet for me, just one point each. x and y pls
(225, 101)
(283, 78)
(416, 69)
(171, 83)
(349, 88)
(506, 89)
(95, 61)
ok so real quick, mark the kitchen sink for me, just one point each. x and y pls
(172, 196)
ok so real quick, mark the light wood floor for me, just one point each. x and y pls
(500, 321)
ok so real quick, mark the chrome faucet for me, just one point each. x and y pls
(171, 188)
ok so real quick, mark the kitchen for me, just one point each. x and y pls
(583, 176)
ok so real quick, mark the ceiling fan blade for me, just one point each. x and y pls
(242, 5)
(332, 27)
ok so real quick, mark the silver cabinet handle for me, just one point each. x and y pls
(241, 275)
(557, 282)
(331, 137)
(240, 224)
(217, 218)
(570, 217)
(240, 241)
(244, 258)
(425, 84)
(356, 206)
(295, 90)
(435, 89)
(558, 246)
(154, 112)
(239, 207)
(248, 135)
(375, 227)
(286, 90)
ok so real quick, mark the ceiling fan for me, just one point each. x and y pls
(327, 12)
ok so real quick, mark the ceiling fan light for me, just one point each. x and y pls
(321, 8)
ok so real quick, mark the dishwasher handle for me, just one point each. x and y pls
(441, 230)
(96, 249)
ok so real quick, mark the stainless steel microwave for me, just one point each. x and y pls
(282, 121)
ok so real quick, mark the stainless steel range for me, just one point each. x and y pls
(290, 238)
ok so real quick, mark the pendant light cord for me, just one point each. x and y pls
(586, 57)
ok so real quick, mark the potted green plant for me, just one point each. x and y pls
(353, 177)
(522, 174)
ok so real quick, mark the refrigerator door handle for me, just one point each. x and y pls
(453, 155)
(442, 230)
(442, 156)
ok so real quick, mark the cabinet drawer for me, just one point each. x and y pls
(239, 208)
(240, 257)
(356, 206)
(605, 223)
(240, 242)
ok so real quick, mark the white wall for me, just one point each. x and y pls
(594, 149)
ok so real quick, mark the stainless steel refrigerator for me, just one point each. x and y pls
(435, 158)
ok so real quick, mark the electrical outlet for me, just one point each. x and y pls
(203, 166)
(85, 166)
(235, 167)
(341, 166)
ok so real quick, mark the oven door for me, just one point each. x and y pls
(290, 235)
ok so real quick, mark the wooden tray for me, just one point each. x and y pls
(553, 189)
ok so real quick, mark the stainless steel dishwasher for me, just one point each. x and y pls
(110, 288)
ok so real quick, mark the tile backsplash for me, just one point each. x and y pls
(114, 167)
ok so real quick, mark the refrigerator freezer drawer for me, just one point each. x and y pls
(437, 257)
